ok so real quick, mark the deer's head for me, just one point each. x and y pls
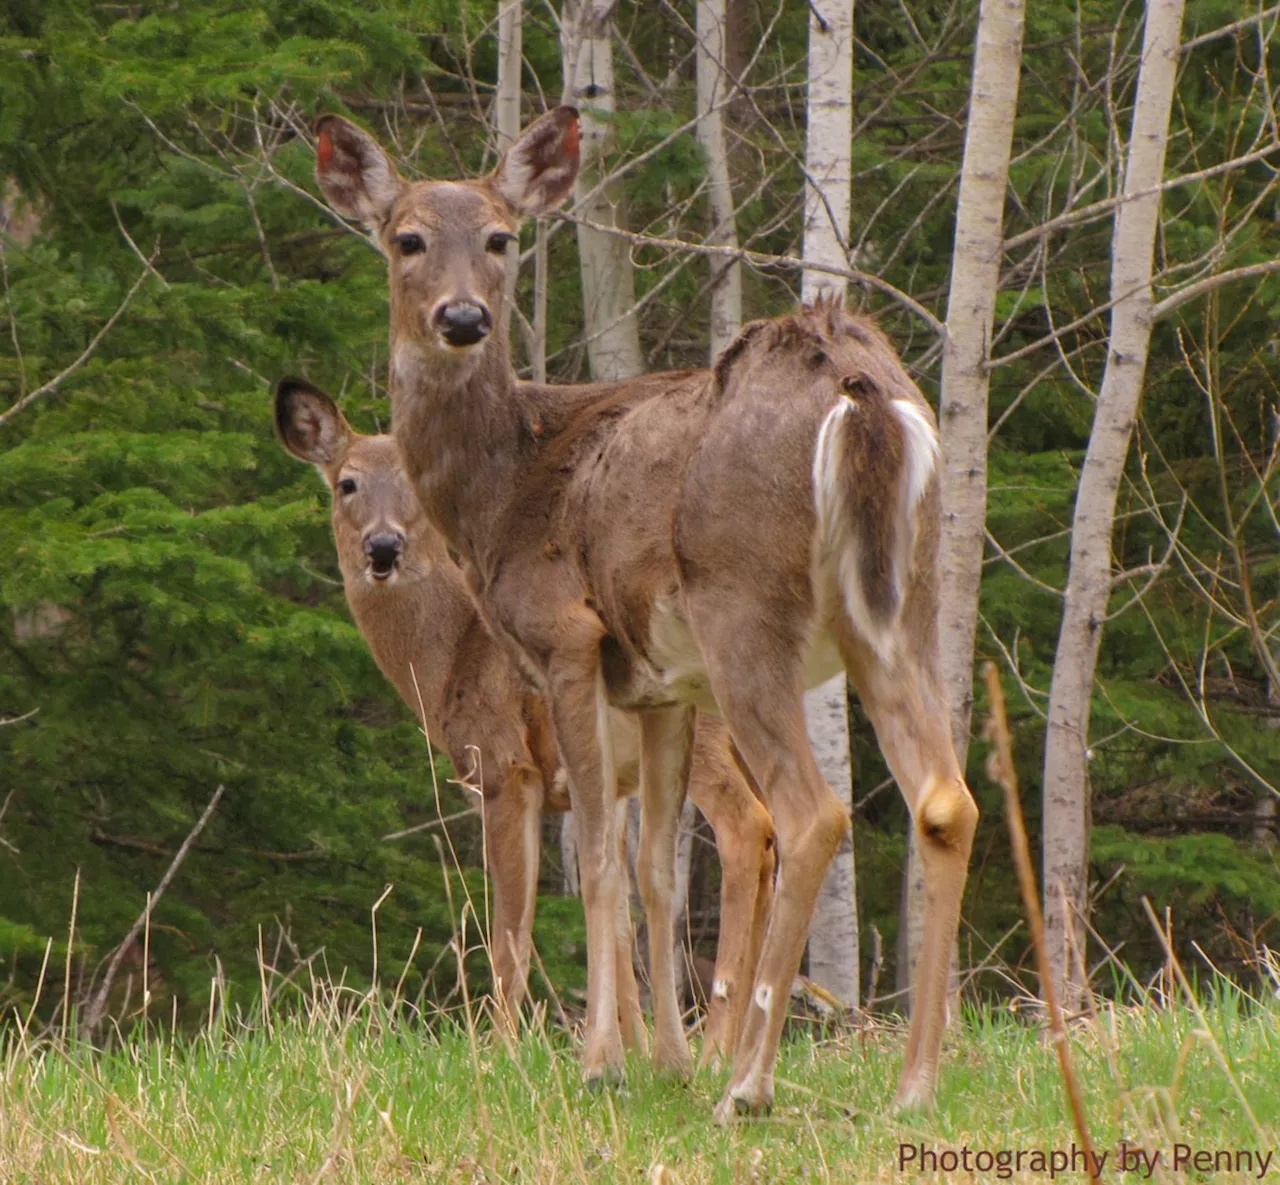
(447, 240)
(378, 527)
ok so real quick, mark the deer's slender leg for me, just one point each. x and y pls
(909, 715)
(579, 712)
(630, 1015)
(512, 822)
(763, 705)
(666, 744)
(745, 844)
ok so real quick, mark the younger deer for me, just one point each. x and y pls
(412, 607)
(719, 537)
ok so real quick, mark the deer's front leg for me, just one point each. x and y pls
(666, 742)
(580, 714)
(512, 818)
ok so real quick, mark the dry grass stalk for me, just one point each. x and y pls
(1001, 770)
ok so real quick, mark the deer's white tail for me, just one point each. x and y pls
(872, 463)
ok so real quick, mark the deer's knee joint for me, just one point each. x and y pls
(947, 816)
(769, 855)
(816, 835)
(752, 837)
(760, 828)
(657, 886)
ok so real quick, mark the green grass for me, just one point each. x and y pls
(339, 1092)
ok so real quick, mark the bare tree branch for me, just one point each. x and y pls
(760, 259)
(54, 383)
(97, 1006)
(1210, 283)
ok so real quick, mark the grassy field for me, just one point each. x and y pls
(336, 1091)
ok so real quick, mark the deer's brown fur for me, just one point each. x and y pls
(424, 632)
(721, 537)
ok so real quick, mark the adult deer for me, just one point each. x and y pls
(718, 537)
(412, 607)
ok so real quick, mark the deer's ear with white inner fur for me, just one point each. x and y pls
(539, 169)
(309, 424)
(356, 176)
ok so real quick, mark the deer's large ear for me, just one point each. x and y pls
(538, 171)
(309, 424)
(357, 177)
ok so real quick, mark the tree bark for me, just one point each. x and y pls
(975, 277)
(608, 281)
(507, 113)
(1066, 775)
(828, 144)
(608, 285)
(833, 937)
(714, 87)
(971, 300)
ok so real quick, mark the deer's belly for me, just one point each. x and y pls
(671, 670)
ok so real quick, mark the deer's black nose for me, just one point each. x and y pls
(462, 323)
(383, 551)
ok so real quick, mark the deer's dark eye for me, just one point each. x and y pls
(347, 486)
(498, 242)
(409, 243)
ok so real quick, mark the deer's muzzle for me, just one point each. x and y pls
(383, 552)
(463, 323)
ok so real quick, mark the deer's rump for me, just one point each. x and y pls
(708, 482)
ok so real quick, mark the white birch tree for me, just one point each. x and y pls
(1089, 577)
(608, 286)
(833, 937)
(971, 299)
(714, 85)
(608, 279)
(507, 109)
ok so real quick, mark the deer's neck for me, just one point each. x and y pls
(462, 435)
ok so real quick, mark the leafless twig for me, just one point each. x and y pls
(97, 1006)
(54, 383)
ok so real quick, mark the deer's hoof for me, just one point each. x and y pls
(606, 1077)
(914, 1094)
(740, 1103)
(673, 1063)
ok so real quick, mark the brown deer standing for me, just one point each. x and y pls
(718, 537)
(412, 607)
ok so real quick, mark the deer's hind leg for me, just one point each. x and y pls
(908, 710)
(745, 844)
(666, 746)
(762, 702)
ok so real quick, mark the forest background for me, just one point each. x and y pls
(171, 618)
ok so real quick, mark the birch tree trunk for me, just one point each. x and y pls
(1066, 775)
(608, 281)
(975, 276)
(714, 87)
(971, 300)
(507, 114)
(828, 143)
(608, 294)
(833, 937)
